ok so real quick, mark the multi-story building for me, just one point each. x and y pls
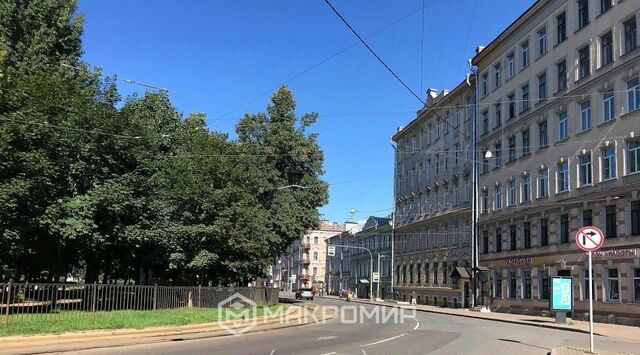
(375, 237)
(433, 188)
(338, 267)
(303, 265)
(559, 93)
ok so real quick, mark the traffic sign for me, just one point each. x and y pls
(376, 277)
(331, 251)
(589, 238)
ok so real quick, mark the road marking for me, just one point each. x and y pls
(383, 340)
(363, 352)
(272, 351)
(331, 353)
(328, 337)
(417, 324)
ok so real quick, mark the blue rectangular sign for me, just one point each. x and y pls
(561, 294)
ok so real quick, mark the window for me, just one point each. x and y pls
(561, 27)
(586, 285)
(527, 235)
(525, 98)
(485, 165)
(587, 218)
(524, 49)
(630, 35)
(543, 183)
(526, 188)
(605, 5)
(610, 222)
(485, 122)
(315, 255)
(457, 121)
(583, 13)
(315, 240)
(585, 170)
(498, 110)
(633, 156)
(485, 201)
(585, 115)
(485, 242)
(562, 75)
(511, 65)
(512, 285)
(633, 94)
(485, 86)
(544, 138)
(445, 124)
(512, 149)
(613, 285)
(606, 47)
(584, 63)
(498, 240)
(498, 154)
(542, 87)
(527, 284)
(544, 280)
(563, 126)
(498, 197)
(636, 285)
(542, 41)
(497, 71)
(512, 106)
(609, 106)
(498, 278)
(512, 193)
(544, 232)
(456, 147)
(513, 237)
(564, 229)
(563, 176)
(608, 163)
(525, 142)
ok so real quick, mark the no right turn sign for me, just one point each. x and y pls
(589, 238)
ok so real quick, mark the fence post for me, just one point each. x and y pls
(94, 297)
(155, 296)
(199, 296)
(6, 321)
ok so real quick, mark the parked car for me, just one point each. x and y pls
(305, 293)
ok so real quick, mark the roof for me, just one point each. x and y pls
(374, 222)
(508, 31)
(326, 226)
(423, 112)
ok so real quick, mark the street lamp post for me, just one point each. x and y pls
(379, 274)
(370, 266)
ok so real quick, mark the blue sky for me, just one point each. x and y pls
(215, 56)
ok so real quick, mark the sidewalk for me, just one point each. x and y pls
(603, 329)
(76, 341)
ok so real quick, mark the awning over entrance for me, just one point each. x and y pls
(481, 268)
(461, 272)
(364, 281)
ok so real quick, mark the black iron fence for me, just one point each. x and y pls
(60, 301)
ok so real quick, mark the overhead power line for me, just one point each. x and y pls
(389, 68)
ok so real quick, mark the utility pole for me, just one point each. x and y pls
(370, 266)
(393, 214)
(474, 176)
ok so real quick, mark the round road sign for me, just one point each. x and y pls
(589, 238)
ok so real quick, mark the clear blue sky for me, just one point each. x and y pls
(217, 55)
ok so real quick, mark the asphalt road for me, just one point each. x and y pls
(427, 333)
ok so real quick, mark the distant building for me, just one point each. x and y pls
(303, 265)
(432, 194)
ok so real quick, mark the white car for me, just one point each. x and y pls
(304, 293)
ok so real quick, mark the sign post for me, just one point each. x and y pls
(590, 239)
(331, 250)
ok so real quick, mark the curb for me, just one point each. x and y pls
(90, 340)
(575, 330)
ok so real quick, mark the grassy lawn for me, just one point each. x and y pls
(54, 323)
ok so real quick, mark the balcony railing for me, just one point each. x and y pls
(305, 260)
(306, 245)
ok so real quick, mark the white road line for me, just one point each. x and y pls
(383, 340)
(272, 351)
(331, 353)
(417, 324)
(328, 337)
(363, 352)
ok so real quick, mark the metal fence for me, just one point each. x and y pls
(56, 301)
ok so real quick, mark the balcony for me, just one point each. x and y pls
(306, 245)
(305, 260)
(305, 277)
